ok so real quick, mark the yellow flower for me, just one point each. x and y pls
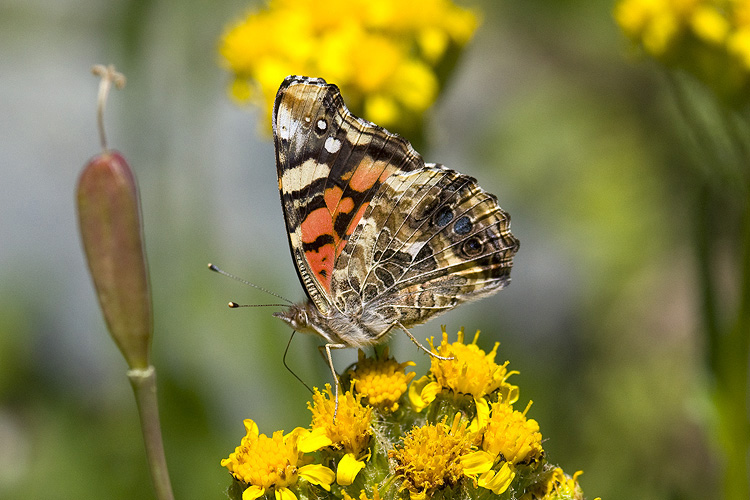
(383, 54)
(471, 371)
(709, 24)
(382, 382)
(739, 46)
(510, 434)
(430, 457)
(507, 438)
(350, 432)
(272, 463)
(559, 486)
(709, 38)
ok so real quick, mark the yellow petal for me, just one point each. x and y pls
(313, 440)
(295, 435)
(498, 481)
(348, 469)
(253, 492)
(477, 462)
(483, 414)
(251, 427)
(430, 392)
(422, 392)
(283, 494)
(317, 474)
(421, 495)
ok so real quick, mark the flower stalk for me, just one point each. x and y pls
(723, 198)
(109, 217)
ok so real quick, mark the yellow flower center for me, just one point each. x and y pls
(471, 371)
(351, 430)
(429, 458)
(511, 434)
(382, 382)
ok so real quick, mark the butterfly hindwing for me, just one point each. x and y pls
(429, 241)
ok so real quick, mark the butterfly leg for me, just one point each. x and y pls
(413, 339)
(336, 384)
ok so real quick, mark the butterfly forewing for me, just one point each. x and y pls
(330, 164)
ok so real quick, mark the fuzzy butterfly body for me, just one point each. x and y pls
(380, 239)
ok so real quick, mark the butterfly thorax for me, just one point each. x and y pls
(335, 327)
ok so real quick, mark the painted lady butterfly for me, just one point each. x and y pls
(380, 239)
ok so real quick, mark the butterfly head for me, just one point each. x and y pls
(304, 317)
(295, 316)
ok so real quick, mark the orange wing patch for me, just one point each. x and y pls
(366, 175)
(321, 263)
(316, 224)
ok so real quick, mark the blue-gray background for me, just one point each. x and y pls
(547, 109)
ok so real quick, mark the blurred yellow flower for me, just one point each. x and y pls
(382, 381)
(709, 38)
(389, 57)
(272, 463)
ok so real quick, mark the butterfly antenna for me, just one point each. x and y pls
(283, 360)
(235, 305)
(237, 278)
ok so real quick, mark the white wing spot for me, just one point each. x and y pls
(332, 145)
(283, 120)
(322, 125)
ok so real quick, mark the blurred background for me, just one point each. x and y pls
(548, 108)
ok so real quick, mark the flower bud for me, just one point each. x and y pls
(110, 224)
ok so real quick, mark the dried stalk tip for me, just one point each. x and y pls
(108, 75)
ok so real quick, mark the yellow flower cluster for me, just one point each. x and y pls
(389, 57)
(710, 38)
(459, 437)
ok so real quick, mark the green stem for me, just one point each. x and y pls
(703, 239)
(144, 388)
(732, 395)
(724, 166)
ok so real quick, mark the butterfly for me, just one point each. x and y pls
(381, 240)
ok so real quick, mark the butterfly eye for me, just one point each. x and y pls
(444, 216)
(463, 225)
(472, 247)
